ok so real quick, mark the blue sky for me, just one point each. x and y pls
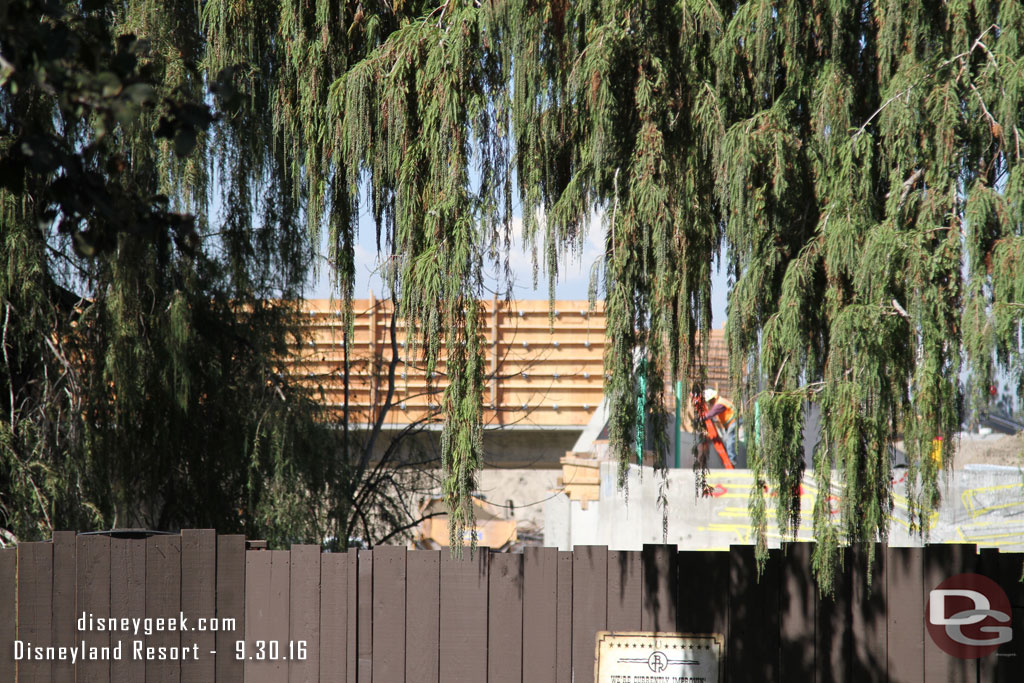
(573, 278)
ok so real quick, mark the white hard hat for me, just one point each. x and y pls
(710, 395)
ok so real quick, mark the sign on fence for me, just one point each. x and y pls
(646, 657)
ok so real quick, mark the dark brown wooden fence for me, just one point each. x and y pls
(391, 615)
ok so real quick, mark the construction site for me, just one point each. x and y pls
(547, 477)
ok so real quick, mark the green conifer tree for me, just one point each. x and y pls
(858, 164)
(142, 344)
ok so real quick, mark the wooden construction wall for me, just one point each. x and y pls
(540, 371)
(389, 615)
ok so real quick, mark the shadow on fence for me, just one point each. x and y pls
(263, 616)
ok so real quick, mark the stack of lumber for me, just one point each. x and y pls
(581, 477)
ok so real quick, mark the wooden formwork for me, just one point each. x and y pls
(543, 369)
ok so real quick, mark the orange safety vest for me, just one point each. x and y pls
(729, 414)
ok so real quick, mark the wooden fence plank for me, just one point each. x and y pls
(703, 593)
(231, 595)
(833, 637)
(1009, 659)
(1006, 665)
(867, 614)
(353, 615)
(540, 601)
(905, 614)
(423, 616)
(589, 606)
(35, 607)
(199, 602)
(127, 600)
(463, 647)
(257, 614)
(267, 578)
(988, 566)
(941, 562)
(304, 616)
(625, 586)
(389, 617)
(364, 611)
(8, 611)
(163, 599)
(798, 602)
(660, 583)
(92, 596)
(333, 618)
(753, 609)
(563, 618)
(64, 617)
(277, 635)
(505, 619)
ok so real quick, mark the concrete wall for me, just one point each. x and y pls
(982, 507)
(508, 447)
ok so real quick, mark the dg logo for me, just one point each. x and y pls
(968, 616)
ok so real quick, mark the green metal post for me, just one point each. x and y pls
(679, 421)
(757, 423)
(641, 421)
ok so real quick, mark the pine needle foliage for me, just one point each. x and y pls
(141, 345)
(856, 163)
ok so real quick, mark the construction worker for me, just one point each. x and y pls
(723, 412)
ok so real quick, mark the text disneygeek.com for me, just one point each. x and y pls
(138, 649)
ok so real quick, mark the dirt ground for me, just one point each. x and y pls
(994, 449)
